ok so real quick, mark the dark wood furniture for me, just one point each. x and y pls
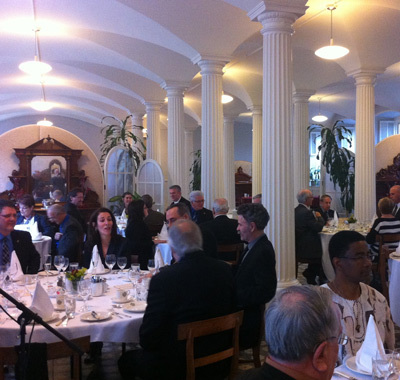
(243, 185)
(386, 178)
(230, 253)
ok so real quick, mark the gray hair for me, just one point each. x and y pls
(57, 209)
(297, 320)
(254, 212)
(194, 194)
(302, 195)
(185, 237)
(220, 206)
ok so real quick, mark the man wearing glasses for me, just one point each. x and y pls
(198, 212)
(18, 241)
(351, 261)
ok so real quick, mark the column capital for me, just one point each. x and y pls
(256, 109)
(175, 88)
(365, 76)
(153, 105)
(302, 96)
(211, 64)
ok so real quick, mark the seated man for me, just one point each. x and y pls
(18, 241)
(351, 261)
(198, 212)
(75, 200)
(255, 274)
(69, 238)
(308, 351)
(195, 288)
(154, 219)
(127, 198)
(330, 216)
(308, 224)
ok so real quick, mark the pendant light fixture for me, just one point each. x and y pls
(331, 51)
(319, 118)
(44, 123)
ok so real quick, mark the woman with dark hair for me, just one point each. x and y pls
(138, 234)
(103, 234)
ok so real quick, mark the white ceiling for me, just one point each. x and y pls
(111, 56)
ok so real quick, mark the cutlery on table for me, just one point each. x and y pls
(95, 315)
(341, 374)
(61, 320)
(65, 323)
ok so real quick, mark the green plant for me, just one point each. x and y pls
(76, 274)
(117, 134)
(339, 162)
(195, 169)
(119, 204)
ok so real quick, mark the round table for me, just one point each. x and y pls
(43, 246)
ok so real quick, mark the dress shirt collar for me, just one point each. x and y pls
(308, 208)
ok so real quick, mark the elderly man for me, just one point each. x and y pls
(308, 243)
(198, 212)
(175, 192)
(18, 241)
(394, 195)
(351, 261)
(180, 211)
(308, 351)
(255, 274)
(195, 288)
(154, 219)
(75, 200)
(69, 238)
(330, 216)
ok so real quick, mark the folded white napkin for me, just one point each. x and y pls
(158, 259)
(397, 253)
(34, 230)
(41, 303)
(23, 227)
(15, 270)
(99, 264)
(163, 235)
(371, 347)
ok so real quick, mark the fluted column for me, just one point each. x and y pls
(277, 133)
(176, 164)
(301, 151)
(153, 130)
(189, 156)
(229, 158)
(212, 179)
(364, 186)
(256, 171)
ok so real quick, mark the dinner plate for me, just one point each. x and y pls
(352, 365)
(38, 239)
(105, 271)
(118, 300)
(52, 317)
(51, 273)
(135, 306)
(101, 316)
(394, 256)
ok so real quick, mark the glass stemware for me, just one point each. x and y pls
(3, 273)
(95, 261)
(110, 261)
(121, 262)
(151, 265)
(66, 264)
(47, 267)
(84, 290)
(59, 262)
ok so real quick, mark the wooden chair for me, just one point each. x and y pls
(383, 239)
(190, 331)
(8, 355)
(233, 250)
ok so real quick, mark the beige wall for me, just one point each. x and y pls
(385, 151)
(24, 136)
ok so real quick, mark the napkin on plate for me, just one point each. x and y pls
(15, 270)
(371, 346)
(34, 230)
(41, 303)
(163, 235)
(158, 260)
(99, 265)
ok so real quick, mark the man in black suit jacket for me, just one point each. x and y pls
(255, 274)
(195, 288)
(198, 212)
(18, 241)
(308, 224)
(394, 195)
(324, 208)
(75, 199)
(154, 219)
(69, 238)
(175, 192)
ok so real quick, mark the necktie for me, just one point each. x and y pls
(395, 210)
(5, 252)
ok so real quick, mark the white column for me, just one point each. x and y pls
(277, 134)
(229, 158)
(365, 183)
(153, 130)
(176, 164)
(189, 157)
(257, 150)
(301, 155)
(212, 179)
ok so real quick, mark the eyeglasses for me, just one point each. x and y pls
(367, 257)
(341, 340)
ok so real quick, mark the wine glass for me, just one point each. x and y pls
(59, 262)
(3, 273)
(121, 262)
(95, 260)
(47, 267)
(151, 265)
(84, 290)
(110, 261)
(66, 264)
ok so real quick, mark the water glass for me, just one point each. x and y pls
(121, 262)
(59, 262)
(47, 266)
(110, 261)
(383, 368)
(66, 264)
(84, 290)
(70, 305)
(151, 265)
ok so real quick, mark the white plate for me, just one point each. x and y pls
(53, 317)
(101, 316)
(135, 306)
(105, 271)
(394, 256)
(51, 273)
(117, 300)
(38, 239)
(351, 364)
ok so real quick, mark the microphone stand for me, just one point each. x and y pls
(27, 316)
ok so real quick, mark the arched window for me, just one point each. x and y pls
(150, 180)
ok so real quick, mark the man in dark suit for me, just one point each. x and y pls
(194, 288)
(69, 238)
(75, 200)
(255, 274)
(394, 195)
(18, 241)
(175, 192)
(308, 224)
(154, 219)
(198, 212)
(325, 210)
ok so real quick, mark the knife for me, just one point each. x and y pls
(95, 315)
(341, 374)
(61, 320)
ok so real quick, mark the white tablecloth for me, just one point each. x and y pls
(113, 330)
(43, 247)
(394, 284)
(166, 252)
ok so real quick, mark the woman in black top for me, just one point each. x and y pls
(138, 234)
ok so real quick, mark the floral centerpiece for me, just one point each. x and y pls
(351, 219)
(72, 279)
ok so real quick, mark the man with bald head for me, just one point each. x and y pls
(69, 238)
(394, 195)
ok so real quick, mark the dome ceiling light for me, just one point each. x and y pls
(319, 118)
(44, 123)
(226, 98)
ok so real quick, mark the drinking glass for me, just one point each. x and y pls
(70, 305)
(84, 290)
(383, 368)
(3, 273)
(110, 261)
(47, 267)
(66, 264)
(59, 262)
(95, 260)
(121, 262)
(151, 265)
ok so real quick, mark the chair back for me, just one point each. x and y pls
(230, 253)
(192, 330)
